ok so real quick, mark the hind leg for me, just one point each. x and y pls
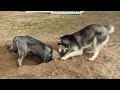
(21, 57)
(22, 51)
(90, 50)
(97, 47)
(96, 52)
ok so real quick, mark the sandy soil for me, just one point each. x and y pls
(47, 28)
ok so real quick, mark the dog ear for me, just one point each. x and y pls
(58, 39)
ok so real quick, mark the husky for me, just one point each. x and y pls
(94, 35)
(27, 45)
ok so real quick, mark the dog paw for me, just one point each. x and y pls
(19, 63)
(63, 58)
(91, 59)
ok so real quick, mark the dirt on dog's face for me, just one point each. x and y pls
(55, 55)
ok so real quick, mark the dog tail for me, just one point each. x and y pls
(15, 42)
(110, 28)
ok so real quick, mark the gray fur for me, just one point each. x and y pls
(26, 45)
(85, 37)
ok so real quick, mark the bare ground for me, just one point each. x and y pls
(47, 28)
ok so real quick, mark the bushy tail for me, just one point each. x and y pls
(110, 28)
(15, 41)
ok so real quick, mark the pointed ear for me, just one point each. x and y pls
(58, 39)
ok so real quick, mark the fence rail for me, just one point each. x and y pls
(58, 12)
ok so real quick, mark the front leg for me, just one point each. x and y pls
(72, 54)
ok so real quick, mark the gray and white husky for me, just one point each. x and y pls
(27, 45)
(95, 35)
